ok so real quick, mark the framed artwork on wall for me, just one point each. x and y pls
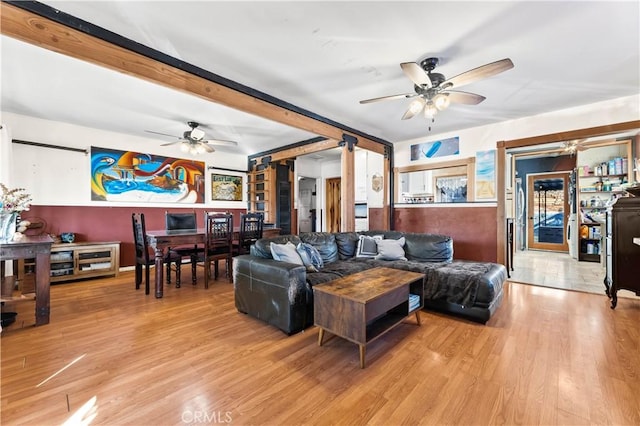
(226, 187)
(442, 148)
(128, 176)
(486, 175)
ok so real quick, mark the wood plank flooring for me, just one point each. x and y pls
(548, 357)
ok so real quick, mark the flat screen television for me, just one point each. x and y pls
(361, 211)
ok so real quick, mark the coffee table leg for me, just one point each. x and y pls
(362, 353)
(418, 317)
(320, 336)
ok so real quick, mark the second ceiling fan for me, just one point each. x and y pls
(193, 140)
(434, 92)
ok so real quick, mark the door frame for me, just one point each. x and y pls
(531, 245)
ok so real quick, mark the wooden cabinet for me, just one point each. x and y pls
(623, 255)
(75, 261)
(602, 168)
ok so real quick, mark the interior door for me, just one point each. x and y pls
(548, 211)
(333, 204)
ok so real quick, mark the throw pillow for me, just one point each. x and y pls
(310, 257)
(367, 246)
(286, 253)
(391, 250)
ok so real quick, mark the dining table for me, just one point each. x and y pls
(31, 247)
(160, 240)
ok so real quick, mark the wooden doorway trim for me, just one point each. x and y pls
(502, 147)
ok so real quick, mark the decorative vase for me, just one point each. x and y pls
(7, 226)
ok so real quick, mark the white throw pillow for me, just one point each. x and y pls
(367, 246)
(391, 250)
(286, 253)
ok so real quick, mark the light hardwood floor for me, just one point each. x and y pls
(559, 270)
(547, 357)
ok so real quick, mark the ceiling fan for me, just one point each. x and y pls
(434, 92)
(193, 141)
(574, 145)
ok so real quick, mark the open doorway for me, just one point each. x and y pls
(535, 261)
(545, 208)
(307, 204)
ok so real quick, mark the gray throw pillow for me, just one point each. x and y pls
(391, 250)
(286, 253)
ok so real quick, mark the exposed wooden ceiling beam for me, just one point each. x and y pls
(34, 29)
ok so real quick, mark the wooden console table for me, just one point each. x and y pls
(38, 248)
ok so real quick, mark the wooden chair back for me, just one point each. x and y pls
(251, 225)
(174, 220)
(218, 232)
(139, 238)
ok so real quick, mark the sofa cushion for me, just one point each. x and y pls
(428, 247)
(347, 243)
(387, 235)
(262, 247)
(390, 249)
(367, 246)
(457, 282)
(310, 257)
(335, 270)
(324, 242)
(286, 253)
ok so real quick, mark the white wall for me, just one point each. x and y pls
(58, 177)
(485, 137)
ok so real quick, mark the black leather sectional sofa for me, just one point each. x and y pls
(280, 293)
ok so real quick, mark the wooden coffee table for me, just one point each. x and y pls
(363, 306)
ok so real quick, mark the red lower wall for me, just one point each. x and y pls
(473, 229)
(108, 223)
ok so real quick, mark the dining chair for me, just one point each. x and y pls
(251, 225)
(177, 221)
(218, 244)
(143, 259)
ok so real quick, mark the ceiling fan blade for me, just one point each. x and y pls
(163, 134)
(207, 147)
(388, 98)
(416, 74)
(170, 143)
(464, 97)
(220, 142)
(479, 73)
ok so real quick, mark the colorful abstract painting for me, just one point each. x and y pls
(486, 175)
(450, 146)
(126, 176)
(226, 187)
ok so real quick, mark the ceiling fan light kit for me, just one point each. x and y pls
(433, 90)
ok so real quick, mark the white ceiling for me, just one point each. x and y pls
(327, 56)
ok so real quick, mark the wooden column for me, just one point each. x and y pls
(347, 186)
